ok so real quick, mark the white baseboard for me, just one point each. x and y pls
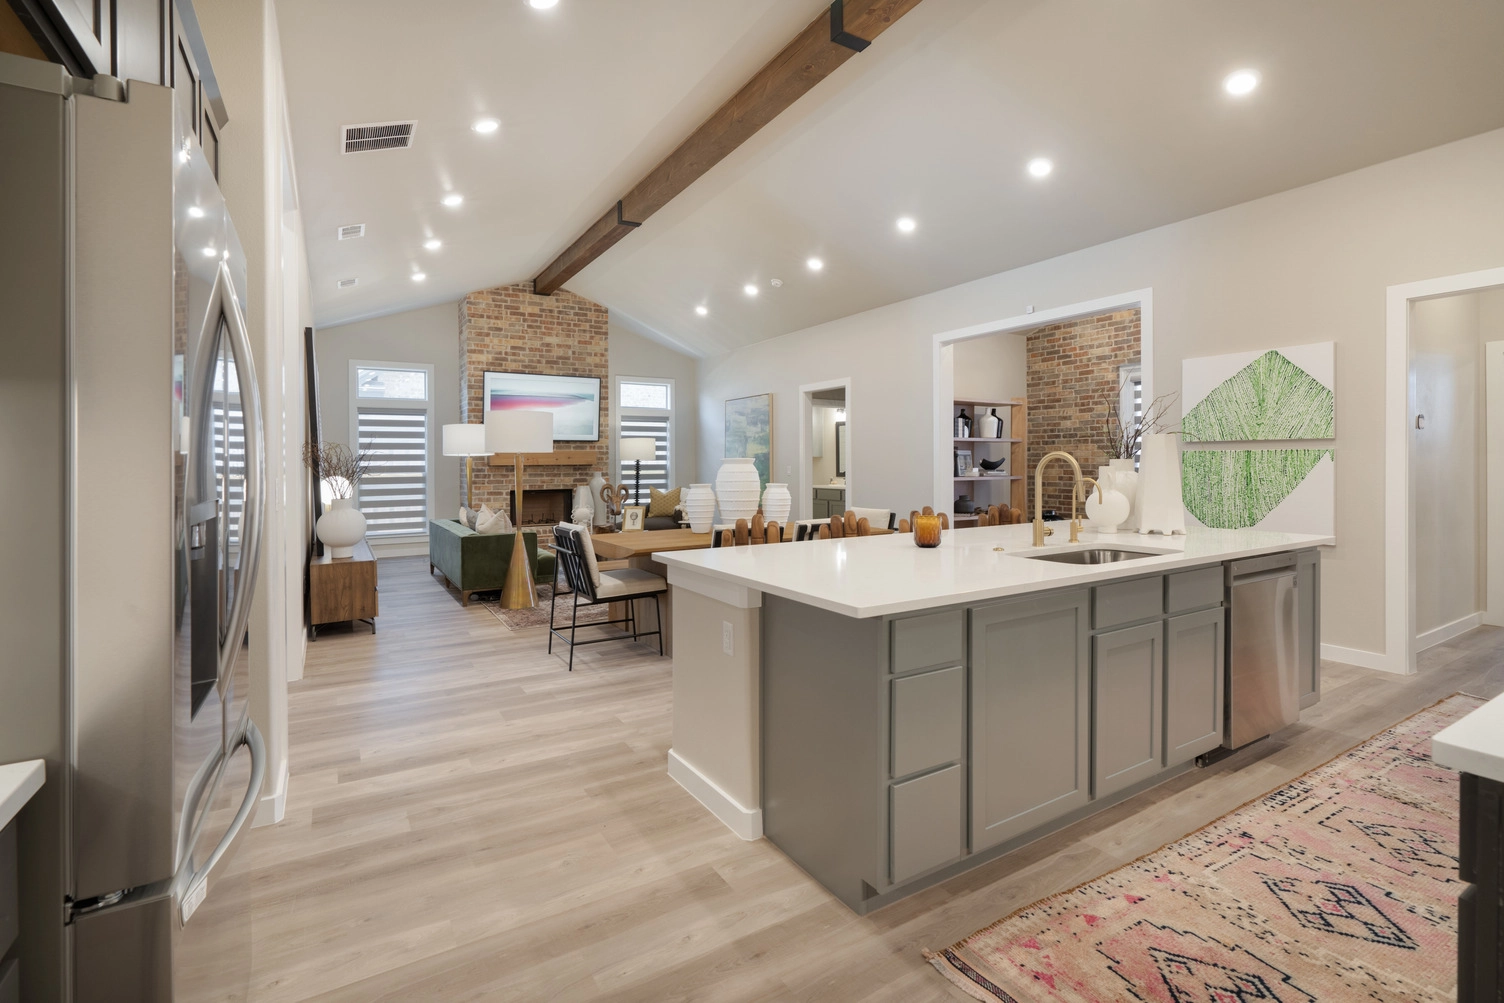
(273, 803)
(1447, 631)
(745, 822)
(1361, 658)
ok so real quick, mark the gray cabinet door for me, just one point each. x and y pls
(1308, 615)
(1195, 649)
(1127, 673)
(1030, 711)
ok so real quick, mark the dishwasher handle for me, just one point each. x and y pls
(1255, 568)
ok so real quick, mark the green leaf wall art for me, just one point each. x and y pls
(1238, 488)
(1269, 398)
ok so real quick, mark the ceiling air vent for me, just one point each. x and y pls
(352, 231)
(379, 136)
(346, 283)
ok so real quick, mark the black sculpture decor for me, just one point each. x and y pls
(992, 464)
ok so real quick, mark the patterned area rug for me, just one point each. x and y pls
(1341, 885)
(537, 616)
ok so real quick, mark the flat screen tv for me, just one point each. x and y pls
(574, 401)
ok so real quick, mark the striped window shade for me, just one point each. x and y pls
(229, 462)
(394, 491)
(655, 472)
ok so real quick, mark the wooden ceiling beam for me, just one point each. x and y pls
(840, 32)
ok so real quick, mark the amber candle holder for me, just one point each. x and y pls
(927, 531)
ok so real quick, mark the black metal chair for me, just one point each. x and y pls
(576, 559)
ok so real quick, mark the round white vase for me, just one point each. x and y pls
(1126, 480)
(602, 513)
(698, 506)
(583, 510)
(341, 528)
(737, 488)
(777, 503)
(1108, 507)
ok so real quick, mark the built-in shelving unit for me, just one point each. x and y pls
(1015, 418)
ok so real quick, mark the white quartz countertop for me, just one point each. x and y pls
(1475, 744)
(881, 575)
(18, 782)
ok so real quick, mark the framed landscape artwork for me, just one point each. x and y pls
(574, 401)
(749, 432)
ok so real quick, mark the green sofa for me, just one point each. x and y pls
(475, 563)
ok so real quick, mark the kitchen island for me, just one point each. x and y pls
(889, 716)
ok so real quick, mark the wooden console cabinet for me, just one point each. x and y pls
(343, 588)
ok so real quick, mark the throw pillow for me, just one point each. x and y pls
(490, 523)
(663, 502)
(464, 519)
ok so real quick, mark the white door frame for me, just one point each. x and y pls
(805, 503)
(1399, 575)
(942, 365)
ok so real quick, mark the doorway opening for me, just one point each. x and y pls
(825, 485)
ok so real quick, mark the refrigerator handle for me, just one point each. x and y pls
(223, 299)
(196, 883)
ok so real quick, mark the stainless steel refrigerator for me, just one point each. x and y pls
(131, 494)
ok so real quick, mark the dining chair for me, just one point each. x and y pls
(589, 586)
(747, 533)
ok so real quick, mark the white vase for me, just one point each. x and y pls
(776, 503)
(1161, 509)
(1106, 506)
(1125, 479)
(341, 528)
(737, 488)
(597, 504)
(698, 506)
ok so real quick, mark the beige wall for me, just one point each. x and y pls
(633, 355)
(992, 368)
(428, 336)
(1310, 264)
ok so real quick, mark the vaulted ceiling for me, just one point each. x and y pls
(935, 121)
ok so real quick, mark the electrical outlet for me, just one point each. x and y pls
(726, 636)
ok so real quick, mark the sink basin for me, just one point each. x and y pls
(1092, 555)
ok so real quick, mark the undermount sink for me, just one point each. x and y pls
(1093, 555)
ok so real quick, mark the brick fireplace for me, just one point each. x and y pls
(510, 329)
(541, 507)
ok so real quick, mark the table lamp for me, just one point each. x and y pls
(638, 450)
(468, 441)
(519, 432)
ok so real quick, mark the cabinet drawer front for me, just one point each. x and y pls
(1125, 602)
(928, 720)
(926, 822)
(1187, 590)
(922, 641)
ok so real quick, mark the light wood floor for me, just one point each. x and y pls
(466, 820)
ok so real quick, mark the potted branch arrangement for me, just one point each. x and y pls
(340, 469)
(1117, 504)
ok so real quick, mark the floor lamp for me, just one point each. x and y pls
(519, 432)
(638, 450)
(468, 441)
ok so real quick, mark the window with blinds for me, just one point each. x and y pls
(643, 412)
(229, 448)
(394, 491)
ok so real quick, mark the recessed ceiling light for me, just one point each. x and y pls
(210, 252)
(1041, 167)
(453, 199)
(542, 4)
(419, 276)
(434, 244)
(195, 212)
(1241, 82)
(486, 126)
(749, 289)
(906, 224)
(814, 264)
(776, 283)
(702, 310)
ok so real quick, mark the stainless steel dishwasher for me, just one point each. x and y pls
(1263, 635)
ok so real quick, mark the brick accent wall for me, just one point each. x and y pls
(1072, 382)
(510, 329)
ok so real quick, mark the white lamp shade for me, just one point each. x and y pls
(519, 432)
(638, 449)
(464, 440)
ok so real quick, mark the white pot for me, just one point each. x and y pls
(341, 528)
(1126, 480)
(776, 503)
(698, 506)
(602, 515)
(1107, 507)
(737, 488)
(1160, 505)
(583, 510)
